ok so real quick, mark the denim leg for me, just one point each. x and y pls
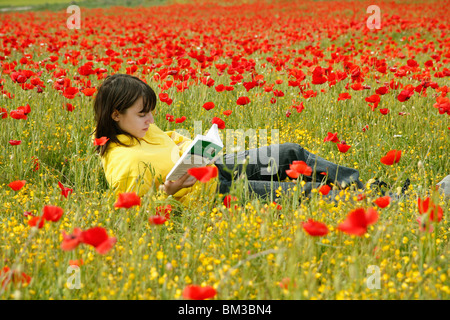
(271, 162)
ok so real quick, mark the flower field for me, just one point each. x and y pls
(372, 99)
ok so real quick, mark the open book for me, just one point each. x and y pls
(202, 151)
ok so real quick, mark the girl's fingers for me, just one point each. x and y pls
(189, 182)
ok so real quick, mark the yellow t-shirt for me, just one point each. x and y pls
(129, 169)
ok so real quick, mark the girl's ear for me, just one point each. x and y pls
(115, 115)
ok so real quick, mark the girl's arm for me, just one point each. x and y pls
(181, 141)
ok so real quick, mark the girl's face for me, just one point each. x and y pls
(134, 121)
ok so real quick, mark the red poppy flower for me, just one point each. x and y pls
(98, 238)
(71, 241)
(278, 93)
(164, 211)
(277, 206)
(15, 142)
(227, 112)
(17, 185)
(35, 220)
(343, 147)
(70, 92)
(375, 99)
(383, 202)
(100, 141)
(64, 191)
(209, 105)
(382, 90)
(18, 115)
(220, 123)
(156, 220)
(52, 213)
(405, 95)
(331, 137)
(69, 107)
(180, 120)
(164, 97)
(127, 200)
(356, 86)
(227, 201)
(6, 275)
(384, 111)
(3, 113)
(391, 157)
(299, 108)
(344, 96)
(194, 292)
(26, 109)
(358, 220)
(243, 101)
(77, 263)
(170, 117)
(325, 189)
(427, 205)
(310, 94)
(204, 174)
(315, 228)
(89, 91)
(297, 168)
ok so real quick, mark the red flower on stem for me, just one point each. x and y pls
(100, 141)
(98, 238)
(127, 200)
(383, 202)
(358, 221)
(157, 220)
(315, 228)
(17, 185)
(243, 101)
(204, 174)
(39, 221)
(64, 191)
(71, 241)
(194, 292)
(405, 95)
(344, 96)
(325, 189)
(427, 205)
(297, 168)
(331, 137)
(227, 201)
(52, 213)
(391, 157)
(209, 105)
(220, 123)
(164, 211)
(343, 147)
(6, 275)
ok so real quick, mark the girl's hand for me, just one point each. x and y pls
(172, 187)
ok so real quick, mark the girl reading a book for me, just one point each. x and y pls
(138, 154)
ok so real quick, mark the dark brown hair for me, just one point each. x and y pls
(119, 92)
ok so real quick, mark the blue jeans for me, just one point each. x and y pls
(267, 168)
